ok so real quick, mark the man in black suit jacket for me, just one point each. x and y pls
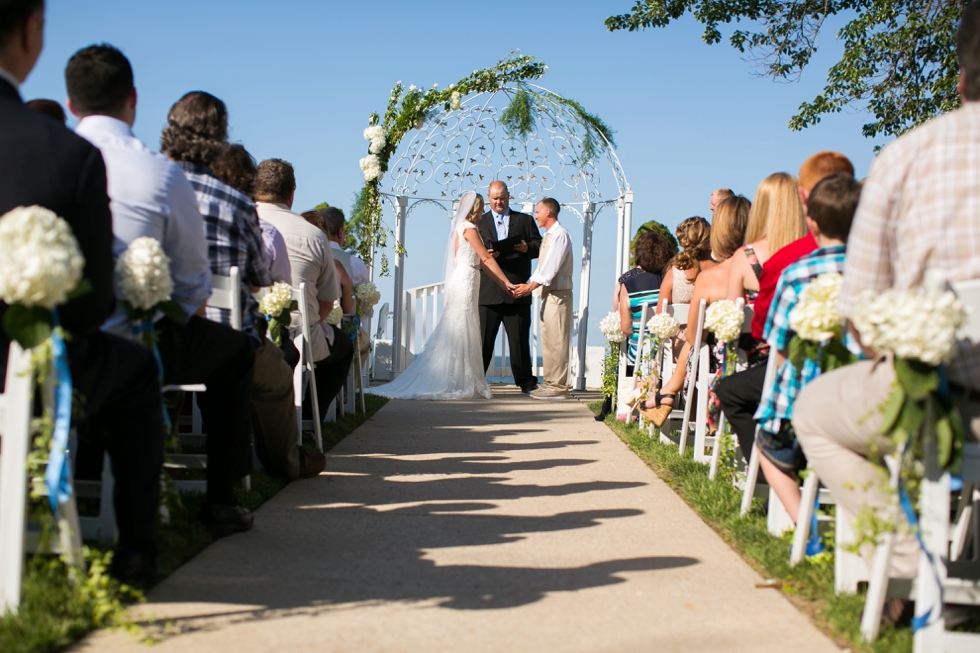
(43, 163)
(514, 240)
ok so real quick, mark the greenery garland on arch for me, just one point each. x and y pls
(410, 109)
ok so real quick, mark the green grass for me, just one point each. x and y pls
(55, 613)
(809, 585)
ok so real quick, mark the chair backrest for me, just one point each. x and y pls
(969, 294)
(382, 333)
(226, 293)
(679, 311)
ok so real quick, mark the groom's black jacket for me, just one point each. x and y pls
(515, 265)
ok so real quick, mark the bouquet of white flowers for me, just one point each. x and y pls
(41, 267)
(724, 319)
(366, 294)
(663, 325)
(454, 100)
(336, 315)
(818, 343)
(375, 134)
(144, 285)
(610, 327)
(919, 327)
(278, 303)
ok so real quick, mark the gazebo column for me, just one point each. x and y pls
(400, 339)
(627, 229)
(588, 211)
(620, 210)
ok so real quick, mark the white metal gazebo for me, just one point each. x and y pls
(466, 148)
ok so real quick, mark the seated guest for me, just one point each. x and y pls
(236, 167)
(196, 133)
(775, 221)
(642, 285)
(49, 108)
(829, 213)
(919, 215)
(739, 394)
(343, 274)
(150, 197)
(311, 260)
(335, 226)
(44, 164)
(727, 235)
(717, 197)
(694, 237)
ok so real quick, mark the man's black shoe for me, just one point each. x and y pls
(529, 388)
(225, 520)
(135, 568)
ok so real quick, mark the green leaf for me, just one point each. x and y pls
(84, 286)
(835, 355)
(173, 310)
(944, 436)
(28, 326)
(919, 379)
(797, 352)
(909, 422)
(892, 409)
(275, 332)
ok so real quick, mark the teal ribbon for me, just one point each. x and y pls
(57, 476)
(137, 330)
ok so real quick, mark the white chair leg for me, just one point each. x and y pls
(716, 450)
(751, 479)
(849, 568)
(777, 519)
(874, 603)
(808, 497)
(934, 525)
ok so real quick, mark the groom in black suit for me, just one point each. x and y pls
(513, 239)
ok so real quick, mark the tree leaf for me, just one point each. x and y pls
(28, 326)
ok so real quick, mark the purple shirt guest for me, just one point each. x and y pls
(276, 257)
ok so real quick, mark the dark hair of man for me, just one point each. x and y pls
(274, 181)
(653, 252)
(197, 129)
(333, 220)
(14, 13)
(49, 108)
(833, 202)
(968, 50)
(236, 167)
(99, 79)
(552, 206)
(313, 217)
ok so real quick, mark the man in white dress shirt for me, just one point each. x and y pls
(311, 261)
(554, 278)
(334, 225)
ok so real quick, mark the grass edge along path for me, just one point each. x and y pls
(809, 585)
(54, 613)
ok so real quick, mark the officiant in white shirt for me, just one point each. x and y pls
(554, 279)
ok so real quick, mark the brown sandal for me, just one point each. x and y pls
(659, 414)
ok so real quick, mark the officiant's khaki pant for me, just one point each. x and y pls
(836, 418)
(556, 334)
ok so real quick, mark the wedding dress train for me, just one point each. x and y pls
(451, 363)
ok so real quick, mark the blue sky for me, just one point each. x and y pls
(300, 78)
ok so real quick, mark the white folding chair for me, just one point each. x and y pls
(944, 576)
(752, 465)
(304, 374)
(354, 386)
(700, 354)
(15, 539)
(680, 313)
(641, 365)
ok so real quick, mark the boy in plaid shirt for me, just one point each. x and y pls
(830, 209)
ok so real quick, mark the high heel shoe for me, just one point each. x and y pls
(661, 412)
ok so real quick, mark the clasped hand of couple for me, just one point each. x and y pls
(518, 290)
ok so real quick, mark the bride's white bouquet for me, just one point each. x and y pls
(367, 295)
(724, 319)
(663, 325)
(278, 304)
(919, 327)
(610, 327)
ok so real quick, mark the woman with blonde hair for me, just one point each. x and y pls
(775, 221)
(727, 235)
(694, 237)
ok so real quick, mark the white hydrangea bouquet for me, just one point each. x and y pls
(919, 326)
(336, 315)
(818, 341)
(144, 286)
(663, 326)
(610, 327)
(724, 319)
(367, 295)
(278, 304)
(40, 269)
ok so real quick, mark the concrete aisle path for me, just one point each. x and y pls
(502, 525)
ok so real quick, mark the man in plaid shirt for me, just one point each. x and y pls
(194, 137)
(830, 210)
(919, 214)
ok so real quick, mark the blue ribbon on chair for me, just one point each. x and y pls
(814, 545)
(148, 326)
(57, 476)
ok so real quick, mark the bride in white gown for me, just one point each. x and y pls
(451, 363)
